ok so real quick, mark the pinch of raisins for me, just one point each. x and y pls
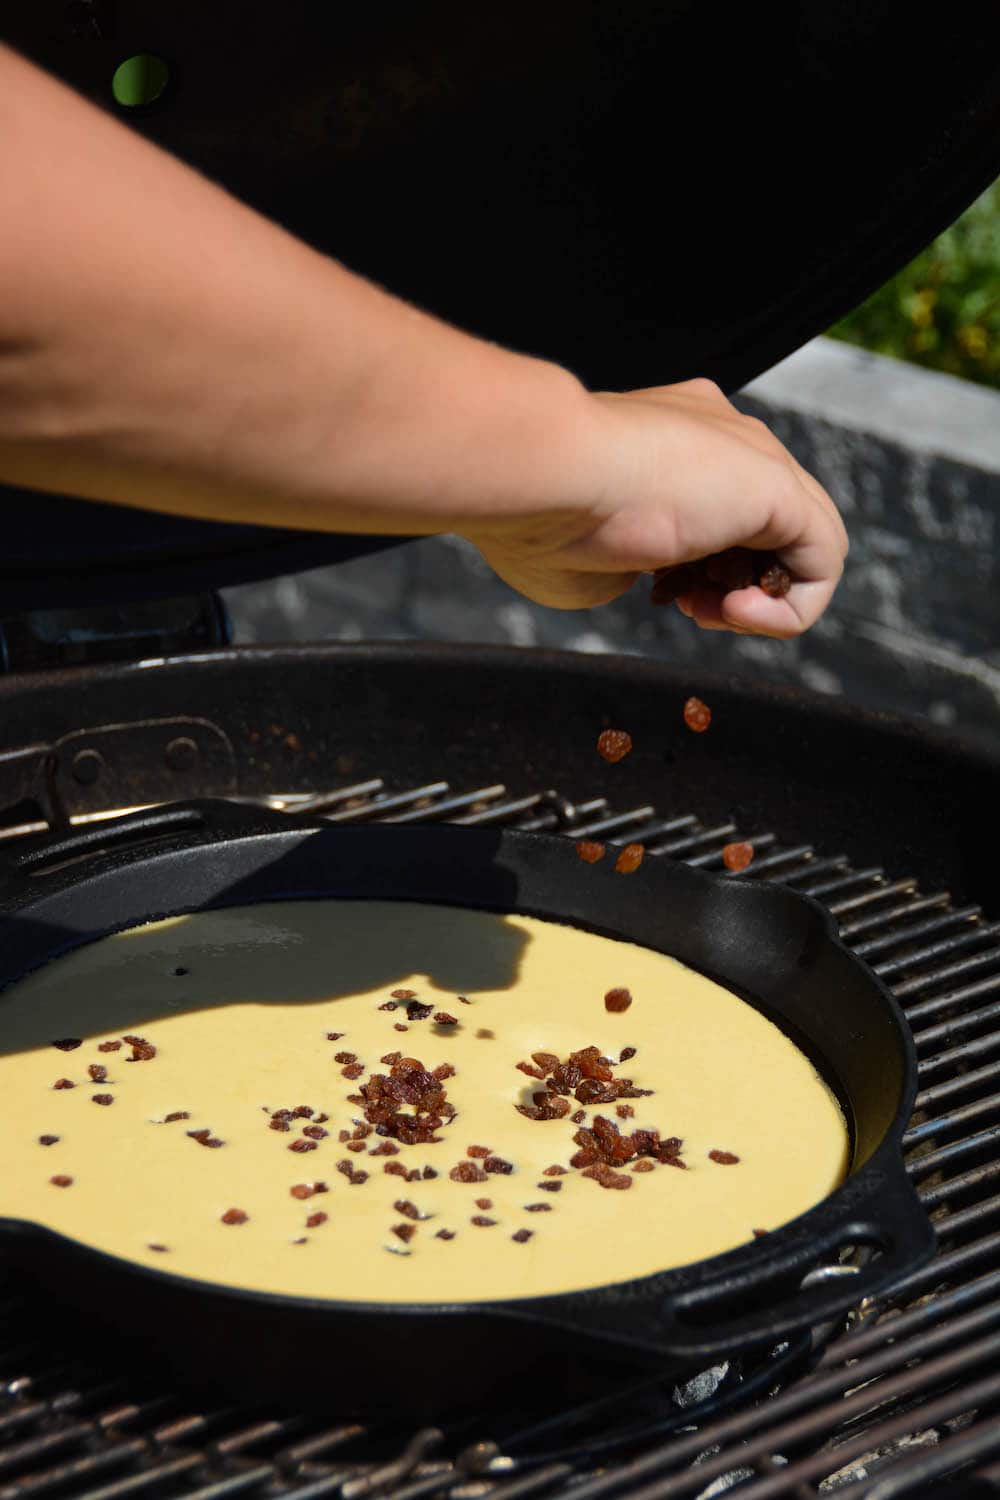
(234, 1216)
(445, 1234)
(629, 859)
(103, 1098)
(482, 1222)
(549, 1187)
(590, 851)
(176, 1114)
(730, 570)
(47, 1140)
(68, 1043)
(442, 1018)
(302, 1145)
(697, 715)
(480, 1151)
(521, 1236)
(345, 1057)
(313, 1221)
(109, 1047)
(538, 1208)
(617, 1001)
(670, 584)
(498, 1166)
(643, 1165)
(737, 856)
(613, 745)
(403, 994)
(775, 581)
(724, 1158)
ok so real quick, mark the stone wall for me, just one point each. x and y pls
(911, 457)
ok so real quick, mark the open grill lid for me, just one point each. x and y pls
(643, 191)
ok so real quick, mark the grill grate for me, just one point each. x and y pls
(894, 1404)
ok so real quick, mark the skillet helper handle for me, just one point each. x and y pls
(136, 831)
(889, 1216)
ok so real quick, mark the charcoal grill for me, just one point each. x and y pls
(906, 1393)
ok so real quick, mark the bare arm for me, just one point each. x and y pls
(164, 346)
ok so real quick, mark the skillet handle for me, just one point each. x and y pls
(888, 1215)
(208, 817)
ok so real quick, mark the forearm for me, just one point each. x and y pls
(162, 345)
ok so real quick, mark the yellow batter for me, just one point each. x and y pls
(238, 1005)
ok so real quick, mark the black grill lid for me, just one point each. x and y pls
(645, 190)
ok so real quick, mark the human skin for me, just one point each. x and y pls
(164, 346)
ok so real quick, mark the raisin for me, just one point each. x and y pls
(467, 1171)
(141, 1052)
(98, 1072)
(443, 1071)
(428, 1174)
(406, 1208)
(601, 1173)
(624, 1111)
(672, 583)
(234, 1216)
(334, 1036)
(538, 1208)
(737, 856)
(521, 1236)
(313, 1221)
(498, 1165)
(103, 1098)
(160, 1248)
(480, 1151)
(549, 1187)
(69, 1043)
(643, 1165)
(554, 1171)
(724, 1158)
(315, 1132)
(617, 1001)
(484, 1203)
(390, 1058)
(627, 1054)
(355, 1070)
(629, 859)
(395, 1168)
(110, 1047)
(417, 1012)
(445, 1234)
(775, 581)
(302, 1145)
(176, 1114)
(398, 1026)
(321, 1118)
(590, 851)
(356, 1146)
(673, 1161)
(357, 1178)
(384, 1148)
(613, 745)
(61, 1180)
(47, 1140)
(545, 1060)
(697, 715)
(278, 1125)
(482, 1222)
(578, 1116)
(403, 994)
(759, 1234)
(301, 1190)
(389, 1005)
(442, 1018)
(345, 1057)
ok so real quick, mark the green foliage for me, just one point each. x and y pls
(943, 309)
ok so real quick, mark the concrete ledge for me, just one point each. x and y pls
(911, 457)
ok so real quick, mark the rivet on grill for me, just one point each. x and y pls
(182, 753)
(87, 767)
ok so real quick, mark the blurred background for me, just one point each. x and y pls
(899, 400)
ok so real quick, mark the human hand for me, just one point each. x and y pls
(669, 476)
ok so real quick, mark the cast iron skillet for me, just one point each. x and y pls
(774, 947)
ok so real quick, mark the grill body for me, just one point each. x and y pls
(891, 828)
